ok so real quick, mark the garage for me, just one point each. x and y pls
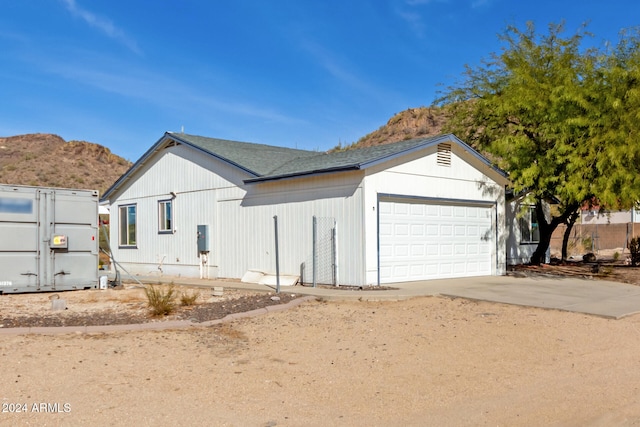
(421, 239)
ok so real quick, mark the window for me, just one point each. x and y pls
(127, 217)
(165, 216)
(529, 230)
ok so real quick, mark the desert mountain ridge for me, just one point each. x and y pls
(407, 124)
(48, 160)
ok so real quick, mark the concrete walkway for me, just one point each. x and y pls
(595, 297)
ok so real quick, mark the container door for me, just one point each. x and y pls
(20, 241)
(74, 241)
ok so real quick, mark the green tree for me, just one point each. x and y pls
(538, 108)
(615, 124)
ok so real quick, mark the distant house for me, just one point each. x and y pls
(597, 229)
(419, 209)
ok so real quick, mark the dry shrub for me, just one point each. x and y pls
(161, 303)
(188, 299)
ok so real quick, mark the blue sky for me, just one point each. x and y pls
(305, 74)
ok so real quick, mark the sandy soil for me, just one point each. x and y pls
(128, 305)
(426, 361)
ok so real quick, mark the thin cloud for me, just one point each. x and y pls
(415, 22)
(102, 24)
(155, 89)
(409, 12)
(334, 68)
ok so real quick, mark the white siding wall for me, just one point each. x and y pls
(423, 177)
(188, 174)
(240, 219)
(247, 227)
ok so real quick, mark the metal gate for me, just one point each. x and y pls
(320, 267)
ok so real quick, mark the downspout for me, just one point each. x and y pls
(378, 234)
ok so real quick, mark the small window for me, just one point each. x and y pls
(127, 217)
(165, 216)
(529, 227)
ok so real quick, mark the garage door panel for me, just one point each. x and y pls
(417, 210)
(386, 251)
(400, 209)
(401, 250)
(386, 230)
(417, 229)
(446, 249)
(419, 250)
(416, 270)
(432, 249)
(430, 241)
(401, 229)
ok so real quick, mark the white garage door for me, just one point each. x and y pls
(421, 241)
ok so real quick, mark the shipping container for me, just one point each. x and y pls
(48, 239)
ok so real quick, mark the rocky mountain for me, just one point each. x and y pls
(408, 124)
(50, 161)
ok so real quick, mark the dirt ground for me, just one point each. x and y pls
(128, 305)
(425, 361)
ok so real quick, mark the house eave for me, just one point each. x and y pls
(303, 174)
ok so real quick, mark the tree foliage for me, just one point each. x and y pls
(562, 119)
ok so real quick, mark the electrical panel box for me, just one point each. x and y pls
(203, 238)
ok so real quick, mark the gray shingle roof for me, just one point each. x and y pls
(257, 159)
(268, 162)
(344, 160)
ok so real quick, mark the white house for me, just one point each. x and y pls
(419, 209)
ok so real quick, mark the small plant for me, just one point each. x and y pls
(606, 271)
(161, 302)
(187, 299)
(616, 256)
(634, 248)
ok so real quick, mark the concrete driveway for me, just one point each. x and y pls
(602, 298)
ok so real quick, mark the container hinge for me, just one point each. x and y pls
(28, 274)
(62, 272)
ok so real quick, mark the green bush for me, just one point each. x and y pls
(634, 248)
(161, 302)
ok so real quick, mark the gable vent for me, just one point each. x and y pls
(172, 143)
(444, 154)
